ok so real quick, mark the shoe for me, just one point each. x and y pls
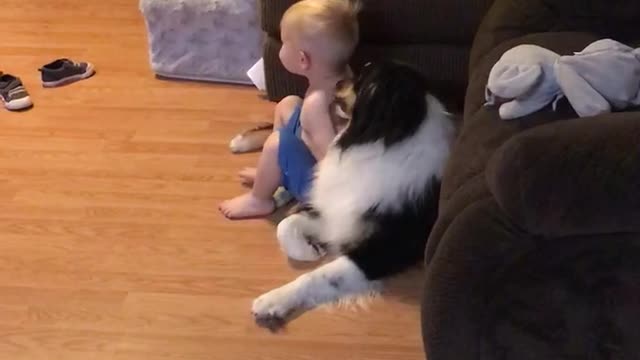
(13, 93)
(64, 71)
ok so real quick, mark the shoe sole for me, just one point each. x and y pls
(18, 104)
(71, 79)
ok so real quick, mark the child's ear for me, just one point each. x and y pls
(305, 60)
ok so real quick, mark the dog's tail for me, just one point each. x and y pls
(252, 139)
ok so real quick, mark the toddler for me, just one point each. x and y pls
(318, 39)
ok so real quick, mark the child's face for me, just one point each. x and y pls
(294, 59)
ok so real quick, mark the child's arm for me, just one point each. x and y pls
(318, 129)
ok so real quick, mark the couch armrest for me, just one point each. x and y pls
(574, 177)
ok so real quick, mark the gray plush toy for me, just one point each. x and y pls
(605, 76)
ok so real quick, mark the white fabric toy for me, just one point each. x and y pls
(602, 77)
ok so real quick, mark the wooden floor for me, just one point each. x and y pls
(111, 246)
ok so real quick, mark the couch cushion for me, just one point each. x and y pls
(443, 65)
(402, 22)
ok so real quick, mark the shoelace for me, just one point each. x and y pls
(15, 92)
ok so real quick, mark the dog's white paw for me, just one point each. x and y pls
(293, 242)
(272, 310)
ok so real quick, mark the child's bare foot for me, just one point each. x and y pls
(247, 206)
(247, 176)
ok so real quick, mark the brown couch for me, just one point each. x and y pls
(434, 35)
(536, 253)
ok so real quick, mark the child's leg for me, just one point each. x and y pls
(283, 113)
(284, 110)
(247, 176)
(259, 201)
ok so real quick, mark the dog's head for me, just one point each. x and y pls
(387, 102)
(342, 106)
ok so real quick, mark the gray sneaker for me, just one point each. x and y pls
(13, 94)
(64, 71)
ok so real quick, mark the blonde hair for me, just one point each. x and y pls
(328, 27)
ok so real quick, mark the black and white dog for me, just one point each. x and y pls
(375, 196)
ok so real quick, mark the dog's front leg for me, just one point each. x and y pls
(328, 283)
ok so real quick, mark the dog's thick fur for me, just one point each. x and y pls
(375, 196)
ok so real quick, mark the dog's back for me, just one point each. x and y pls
(384, 197)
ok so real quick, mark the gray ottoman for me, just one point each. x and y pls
(210, 40)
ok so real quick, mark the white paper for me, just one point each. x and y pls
(256, 74)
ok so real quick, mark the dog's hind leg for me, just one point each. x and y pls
(328, 283)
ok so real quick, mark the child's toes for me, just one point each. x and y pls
(247, 206)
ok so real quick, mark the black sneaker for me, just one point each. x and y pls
(13, 94)
(64, 71)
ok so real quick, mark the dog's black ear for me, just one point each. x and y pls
(390, 105)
